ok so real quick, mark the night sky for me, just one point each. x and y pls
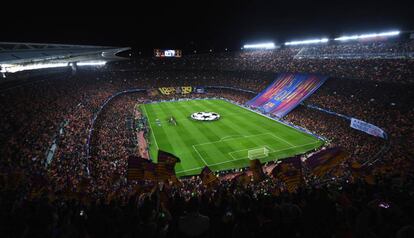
(199, 24)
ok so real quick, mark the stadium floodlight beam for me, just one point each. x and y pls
(13, 68)
(269, 45)
(306, 42)
(366, 36)
(91, 63)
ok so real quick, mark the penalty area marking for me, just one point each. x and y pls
(256, 147)
(230, 161)
(218, 141)
(200, 155)
(223, 138)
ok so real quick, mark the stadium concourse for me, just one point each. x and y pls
(53, 186)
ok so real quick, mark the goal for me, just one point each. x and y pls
(258, 153)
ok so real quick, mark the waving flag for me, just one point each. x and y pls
(208, 177)
(136, 168)
(166, 164)
(322, 162)
(256, 168)
(290, 172)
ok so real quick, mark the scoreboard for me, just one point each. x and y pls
(167, 53)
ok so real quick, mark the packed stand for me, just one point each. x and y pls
(83, 196)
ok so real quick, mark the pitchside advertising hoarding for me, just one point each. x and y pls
(368, 128)
(167, 53)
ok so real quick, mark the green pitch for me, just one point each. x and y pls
(221, 144)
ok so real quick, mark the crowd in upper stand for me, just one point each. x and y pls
(376, 49)
(34, 197)
(310, 59)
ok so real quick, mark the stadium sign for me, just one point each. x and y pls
(205, 116)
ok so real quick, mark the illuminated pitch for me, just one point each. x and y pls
(222, 144)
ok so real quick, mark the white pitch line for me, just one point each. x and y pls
(200, 155)
(272, 151)
(222, 139)
(213, 142)
(232, 157)
(152, 131)
(287, 142)
(187, 170)
(229, 161)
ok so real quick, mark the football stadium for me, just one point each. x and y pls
(224, 120)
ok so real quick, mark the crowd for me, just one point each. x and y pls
(229, 209)
(374, 49)
(383, 104)
(76, 195)
(34, 114)
(376, 60)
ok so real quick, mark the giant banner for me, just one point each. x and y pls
(368, 128)
(286, 92)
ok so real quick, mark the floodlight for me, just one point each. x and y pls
(269, 45)
(365, 36)
(305, 42)
(91, 63)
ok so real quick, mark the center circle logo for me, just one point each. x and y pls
(205, 116)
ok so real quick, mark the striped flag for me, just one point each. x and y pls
(292, 177)
(163, 171)
(290, 172)
(165, 168)
(150, 171)
(175, 181)
(363, 172)
(166, 157)
(207, 177)
(256, 168)
(322, 162)
(135, 168)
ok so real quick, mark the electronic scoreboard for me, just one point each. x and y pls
(167, 53)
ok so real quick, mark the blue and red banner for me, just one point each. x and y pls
(286, 92)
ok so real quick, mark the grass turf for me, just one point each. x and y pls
(221, 144)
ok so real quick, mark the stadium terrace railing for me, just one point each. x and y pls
(328, 111)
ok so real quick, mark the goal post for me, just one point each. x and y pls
(258, 153)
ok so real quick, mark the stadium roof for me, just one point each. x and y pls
(21, 53)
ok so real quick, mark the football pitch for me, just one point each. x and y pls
(221, 144)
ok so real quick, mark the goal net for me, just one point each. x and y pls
(258, 153)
